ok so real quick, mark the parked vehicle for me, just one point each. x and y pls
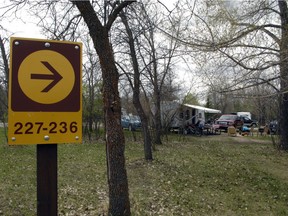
(273, 127)
(136, 121)
(247, 114)
(130, 122)
(248, 121)
(227, 120)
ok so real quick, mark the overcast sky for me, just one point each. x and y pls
(25, 26)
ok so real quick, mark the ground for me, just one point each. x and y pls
(208, 175)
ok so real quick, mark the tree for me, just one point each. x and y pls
(157, 59)
(92, 97)
(284, 75)
(4, 83)
(117, 176)
(136, 90)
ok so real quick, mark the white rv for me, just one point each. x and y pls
(175, 115)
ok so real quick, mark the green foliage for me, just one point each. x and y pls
(213, 175)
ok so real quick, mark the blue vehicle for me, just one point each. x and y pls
(273, 127)
(130, 122)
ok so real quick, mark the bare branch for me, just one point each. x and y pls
(116, 10)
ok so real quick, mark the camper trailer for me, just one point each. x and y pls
(176, 116)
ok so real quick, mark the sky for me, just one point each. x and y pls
(23, 27)
(26, 27)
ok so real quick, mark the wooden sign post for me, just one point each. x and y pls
(47, 195)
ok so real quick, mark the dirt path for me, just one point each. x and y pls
(239, 138)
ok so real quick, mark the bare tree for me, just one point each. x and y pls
(136, 90)
(117, 176)
(284, 75)
(92, 97)
(157, 60)
(3, 83)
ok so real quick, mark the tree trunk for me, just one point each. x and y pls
(6, 65)
(136, 93)
(4, 90)
(283, 118)
(119, 203)
(157, 116)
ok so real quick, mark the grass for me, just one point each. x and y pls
(213, 175)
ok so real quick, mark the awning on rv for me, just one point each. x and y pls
(206, 110)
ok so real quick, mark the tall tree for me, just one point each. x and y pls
(136, 90)
(92, 97)
(284, 74)
(119, 203)
(3, 82)
(157, 59)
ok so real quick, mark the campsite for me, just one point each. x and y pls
(204, 88)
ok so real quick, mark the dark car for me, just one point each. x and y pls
(130, 122)
(273, 127)
(248, 122)
(227, 120)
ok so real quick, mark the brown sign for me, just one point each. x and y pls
(45, 76)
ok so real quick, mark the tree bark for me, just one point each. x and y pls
(283, 118)
(119, 203)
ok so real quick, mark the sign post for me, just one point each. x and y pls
(45, 106)
(47, 194)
